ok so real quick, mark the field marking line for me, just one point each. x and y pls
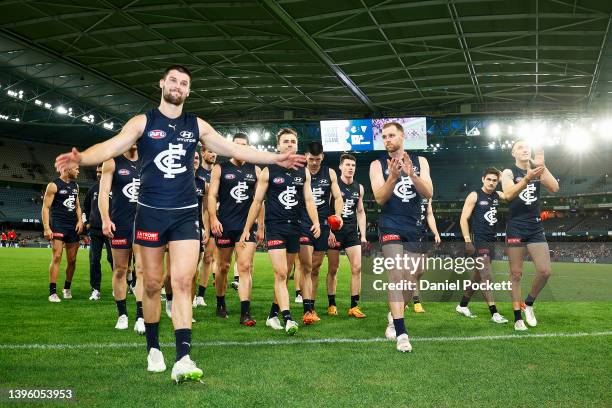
(289, 342)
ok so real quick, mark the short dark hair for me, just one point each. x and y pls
(397, 126)
(178, 68)
(285, 131)
(491, 170)
(347, 156)
(315, 148)
(240, 135)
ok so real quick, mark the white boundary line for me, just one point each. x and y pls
(291, 342)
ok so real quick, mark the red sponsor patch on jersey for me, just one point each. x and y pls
(123, 172)
(483, 250)
(278, 180)
(304, 240)
(390, 237)
(514, 240)
(275, 242)
(119, 241)
(147, 236)
(224, 241)
(58, 235)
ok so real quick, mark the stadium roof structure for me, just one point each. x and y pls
(296, 59)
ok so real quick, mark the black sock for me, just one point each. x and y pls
(201, 290)
(169, 296)
(298, 293)
(529, 300)
(183, 342)
(67, 284)
(286, 315)
(274, 310)
(121, 307)
(399, 326)
(493, 309)
(220, 302)
(138, 310)
(354, 301)
(152, 335)
(237, 278)
(331, 299)
(464, 301)
(245, 306)
(307, 305)
(416, 299)
(52, 288)
(517, 315)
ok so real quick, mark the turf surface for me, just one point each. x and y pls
(104, 367)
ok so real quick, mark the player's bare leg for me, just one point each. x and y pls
(540, 256)
(121, 259)
(515, 257)
(223, 259)
(305, 268)
(333, 263)
(281, 262)
(354, 256)
(244, 265)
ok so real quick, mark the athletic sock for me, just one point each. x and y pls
(68, 283)
(331, 299)
(183, 342)
(201, 290)
(152, 335)
(517, 315)
(286, 315)
(354, 301)
(245, 306)
(416, 299)
(529, 300)
(399, 326)
(52, 288)
(274, 311)
(138, 310)
(298, 293)
(121, 307)
(169, 297)
(464, 301)
(236, 278)
(493, 309)
(220, 302)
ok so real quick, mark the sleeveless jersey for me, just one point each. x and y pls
(320, 185)
(350, 197)
(63, 207)
(403, 208)
(424, 206)
(166, 150)
(236, 191)
(200, 186)
(285, 195)
(524, 209)
(203, 174)
(484, 216)
(124, 190)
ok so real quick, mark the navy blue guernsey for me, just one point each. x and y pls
(285, 195)
(124, 190)
(524, 209)
(203, 174)
(424, 206)
(166, 150)
(236, 191)
(63, 207)
(320, 185)
(403, 208)
(350, 197)
(200, 186)
(484, 216)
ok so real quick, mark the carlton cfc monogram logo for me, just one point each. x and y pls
(165, 160)
(346, 209)
(491, 216)
(130, 190)
(287, 197)
(527, 194)
(317, 194)
(237, 192)
(70, 203)
(403, 189)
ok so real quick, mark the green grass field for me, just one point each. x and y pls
(565, 362)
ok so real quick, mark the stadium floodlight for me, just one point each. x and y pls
(494, 130)
(61, 110)
(253, 137)
(438, 145)
(16, 119)
(108, 125)
(605, 129)
(492, 145)
(266, 135)
(48, 106)
(510, 129)
(38, 102)
(578, 140)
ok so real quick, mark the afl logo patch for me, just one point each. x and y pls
(156, 134)
(278, 180)
(483, 203)
(230, 176)
(123, 172)
(63, 191)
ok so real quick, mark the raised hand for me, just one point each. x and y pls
(407, 165)
(534, 173)
(395, 168)
(290, 160)
(538, 159)
(67, 160)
